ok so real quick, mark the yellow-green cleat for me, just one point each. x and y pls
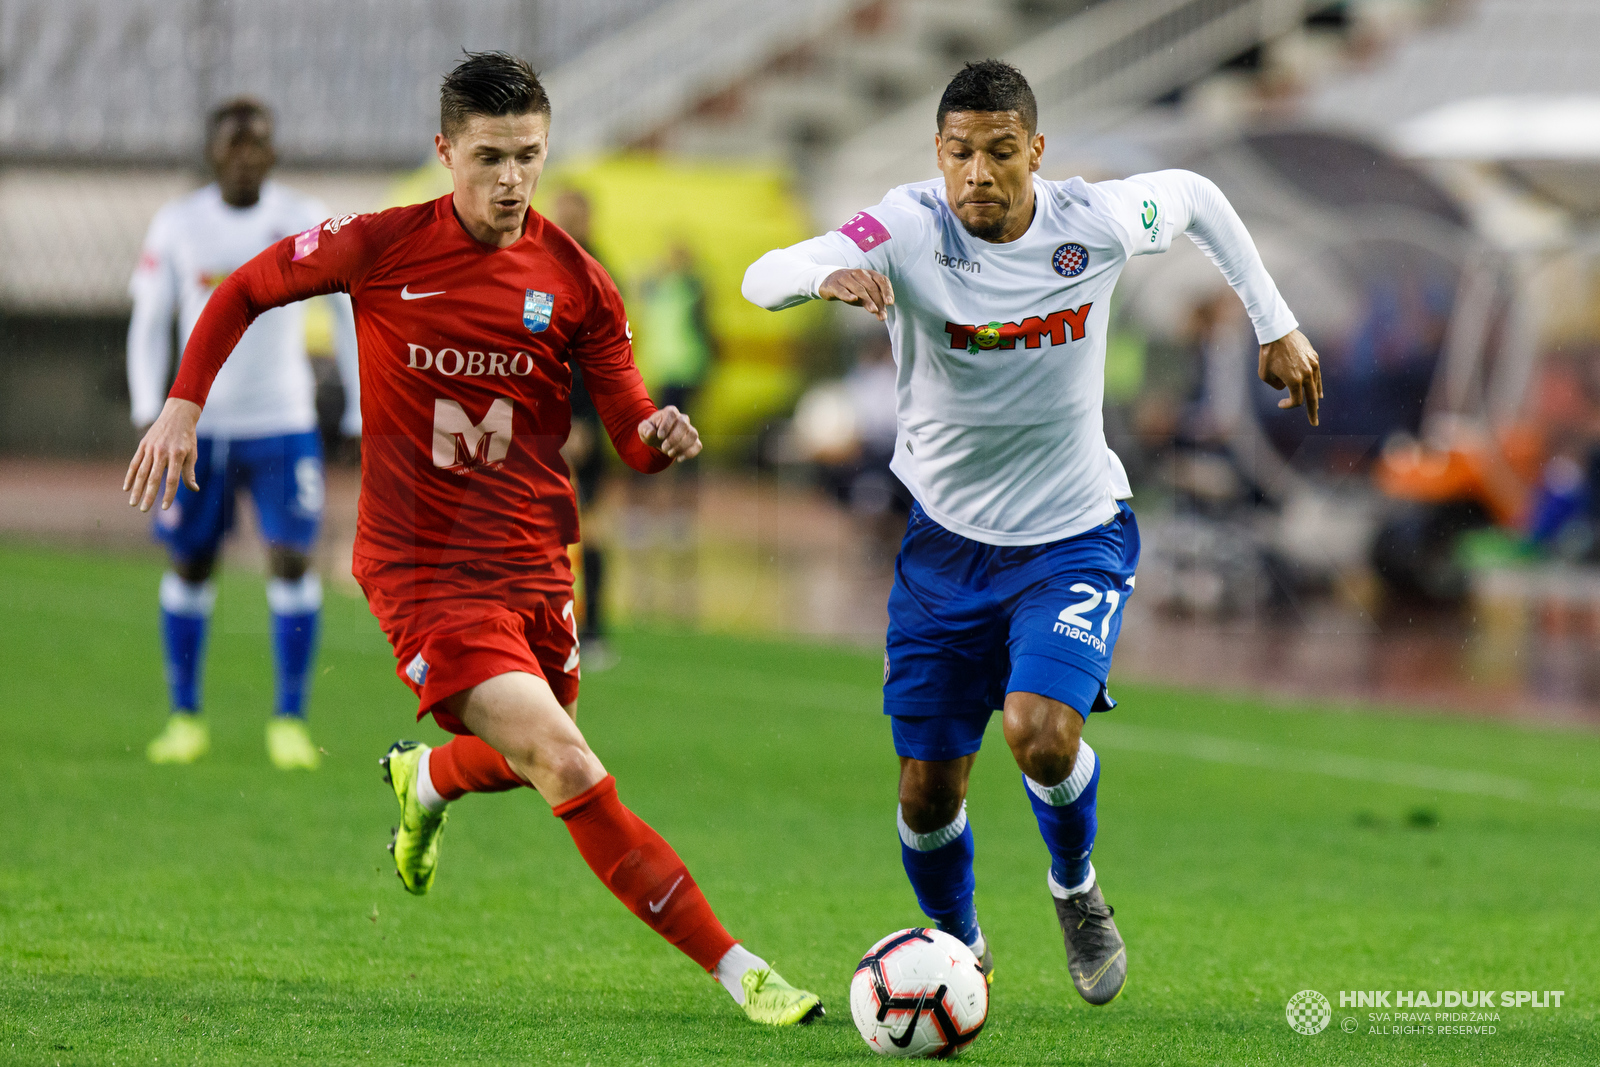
(289, 745)
(769, 999)
(416, 839)
(185, 740)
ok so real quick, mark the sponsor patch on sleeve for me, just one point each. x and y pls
(867, 232)
(306, 243)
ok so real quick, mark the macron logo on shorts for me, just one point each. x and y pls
(417, 669)
(867, 232)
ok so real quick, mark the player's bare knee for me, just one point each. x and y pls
(290, 564)
(931, 794)
(195, 569)
(1044, 745)
(572, 767)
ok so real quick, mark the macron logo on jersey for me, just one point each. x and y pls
(867, 232)
(1031, 330)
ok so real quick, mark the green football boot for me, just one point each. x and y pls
(769, 999)
(289, 746)
(186, 739)
(416, 840)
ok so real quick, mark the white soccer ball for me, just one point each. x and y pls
(919, 993)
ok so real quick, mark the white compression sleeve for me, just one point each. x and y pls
(1215, 227)
(785, 277)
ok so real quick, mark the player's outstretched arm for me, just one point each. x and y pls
(165, 454)
(1183, 200)
(1291, 363)
(670, 431)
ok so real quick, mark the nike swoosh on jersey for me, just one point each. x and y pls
(656, 907)
(407, 294)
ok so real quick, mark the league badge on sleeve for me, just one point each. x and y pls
(536, 310)
(867, 232)
(1070, 260)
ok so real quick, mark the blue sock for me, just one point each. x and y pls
(185, 612)
(296, 613)
(1066, 819)
(939, 864)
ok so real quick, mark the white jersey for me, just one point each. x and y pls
(267, 387)
(1001, 347)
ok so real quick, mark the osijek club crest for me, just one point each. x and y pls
(536, 310)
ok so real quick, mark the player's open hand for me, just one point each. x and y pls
(860, 288)
(669, 430)
(1291, 363)
(166, 453)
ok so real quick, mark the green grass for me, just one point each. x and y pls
(227, 913)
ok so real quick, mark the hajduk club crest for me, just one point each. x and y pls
(1070, 259)
(536, 310)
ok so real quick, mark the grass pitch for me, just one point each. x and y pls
(229, 913)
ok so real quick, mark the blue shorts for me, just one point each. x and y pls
(284, 476)
(970, 622)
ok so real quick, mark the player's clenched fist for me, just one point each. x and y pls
(166, 453)
(862, 288)
(669, 430)
(1291, 363)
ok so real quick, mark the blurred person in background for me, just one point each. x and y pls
(676, 347)
(675, 352)
(587, 460)
(259, 431)
(846, 427)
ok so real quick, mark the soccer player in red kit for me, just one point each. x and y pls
(469, 312)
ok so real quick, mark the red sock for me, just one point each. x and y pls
(638, 865)
(467, 764)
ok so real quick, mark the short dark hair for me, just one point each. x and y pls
(241, 109)
(990, 85)
(489, 83)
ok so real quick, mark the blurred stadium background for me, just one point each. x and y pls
(1422, 176)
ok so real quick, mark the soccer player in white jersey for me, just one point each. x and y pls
(1020, 552)
(259, 430)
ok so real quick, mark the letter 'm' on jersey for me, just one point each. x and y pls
(459, 444)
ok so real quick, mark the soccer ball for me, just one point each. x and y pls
(919, 993)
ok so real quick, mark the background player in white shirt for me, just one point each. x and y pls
(995, 286)
(259, 430)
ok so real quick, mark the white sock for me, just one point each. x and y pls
(731, 968)
(428, 796)
(1061, 892)
(979, 945)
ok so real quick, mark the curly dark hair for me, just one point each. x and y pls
(990, 85)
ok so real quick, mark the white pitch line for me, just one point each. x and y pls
(1333, 764)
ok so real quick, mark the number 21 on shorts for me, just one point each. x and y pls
(1074, 619)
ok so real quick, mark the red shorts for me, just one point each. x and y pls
(455, 625)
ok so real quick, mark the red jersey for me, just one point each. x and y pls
(465, 380)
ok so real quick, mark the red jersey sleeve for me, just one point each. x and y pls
(330, 257)
(603, 350)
